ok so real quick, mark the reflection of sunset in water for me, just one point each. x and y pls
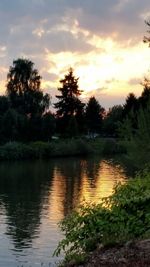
(43, 192)
(102, 185)
(83, 180)
(57, 196)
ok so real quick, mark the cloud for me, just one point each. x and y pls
(135, 81)
(102, 40)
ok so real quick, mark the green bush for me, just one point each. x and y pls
(70, 147)
(136, 136)
(41, 149)
(110, 147)
(59, 148)
(121, 217)
(15, 151)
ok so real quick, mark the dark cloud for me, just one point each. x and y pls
(29, 27)
(20, 18)
(101, 17)
(64, 41)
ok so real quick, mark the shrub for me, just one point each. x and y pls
(41, 149)
(15, 151)
(110, 147)
(136, 136)
(121, 217)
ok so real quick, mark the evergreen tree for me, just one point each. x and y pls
(68, 104)
(94, 115)
(131, 104)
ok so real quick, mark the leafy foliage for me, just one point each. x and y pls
(15, 151)
(137, 140)
(112, 120)
(123, 216)
(23, 88)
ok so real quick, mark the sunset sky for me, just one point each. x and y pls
(101, 40)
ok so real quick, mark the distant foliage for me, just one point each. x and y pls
(112, 120)
(23, 115)
(94, 116)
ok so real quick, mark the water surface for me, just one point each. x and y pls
(35, 196)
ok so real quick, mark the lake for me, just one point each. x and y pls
(35, 196)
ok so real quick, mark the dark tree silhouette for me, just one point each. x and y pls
(10, 125)
(112, 120)
(131, 104)
(48, 126)
(72, 129)
(147, 38)
(68, 104)
(23, 88)
(94, 115)
(4, 104)
(145, 96)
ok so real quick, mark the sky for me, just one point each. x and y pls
(101, 40)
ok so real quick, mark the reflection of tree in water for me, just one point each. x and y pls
(23, 189)
(92, 169)
(70, 172)
(86, 180)
(56, 186)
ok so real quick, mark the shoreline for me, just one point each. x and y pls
(62, 148)
(131, 254)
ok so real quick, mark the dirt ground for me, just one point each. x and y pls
(132, 254)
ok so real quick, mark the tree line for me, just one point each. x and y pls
(25, 109)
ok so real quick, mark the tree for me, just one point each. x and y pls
(137, 140)
(23, 88)
(145, 96)
(147, 38)
(112, 120)
(34, 132)
(94, 115)
(10, 125)
(68, 104)
(72, 129)
(48, 126)
(131, 104)
(4, 104)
